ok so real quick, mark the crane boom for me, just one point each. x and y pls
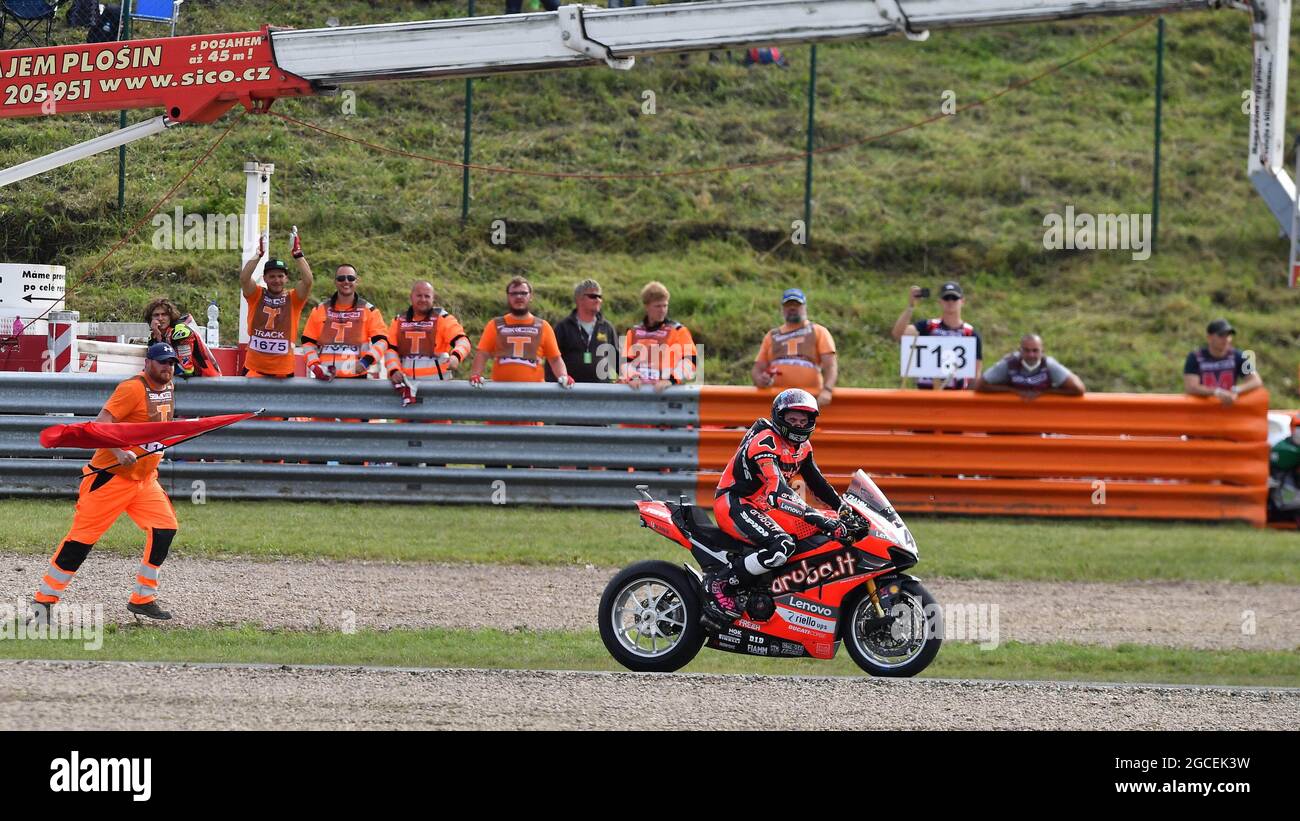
(196, 79)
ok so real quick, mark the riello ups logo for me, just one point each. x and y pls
(124, 775)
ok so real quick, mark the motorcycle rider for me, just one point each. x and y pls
(756, 481)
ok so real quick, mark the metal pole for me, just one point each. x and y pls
(469, 113)
(808, 163)
(1160, 93)
(121, 120)
(1293, 268)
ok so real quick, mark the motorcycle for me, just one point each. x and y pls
(854, 591)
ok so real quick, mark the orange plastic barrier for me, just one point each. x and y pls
(1003, 457)
(1104, 414)
(1107, 455)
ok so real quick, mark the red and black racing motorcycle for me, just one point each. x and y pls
(854, 591)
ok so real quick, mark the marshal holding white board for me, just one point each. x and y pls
(937, 357)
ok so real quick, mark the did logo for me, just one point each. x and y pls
(124, 775)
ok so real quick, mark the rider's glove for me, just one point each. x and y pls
(830, 526)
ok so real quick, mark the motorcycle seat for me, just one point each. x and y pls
(697, 522)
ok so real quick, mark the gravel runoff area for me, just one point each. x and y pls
(43, 695)
(297, 594)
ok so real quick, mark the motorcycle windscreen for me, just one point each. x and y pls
(866, 491)
(863, 488)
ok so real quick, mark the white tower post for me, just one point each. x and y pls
(257, 221)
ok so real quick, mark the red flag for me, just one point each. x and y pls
(126, 434)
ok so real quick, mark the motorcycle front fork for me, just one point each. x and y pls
(875, 598)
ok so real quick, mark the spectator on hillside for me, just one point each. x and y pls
(1029, 373)
(274, 310)
(799, 354)
(658, 350)
(588, 343)
(167, 325)
(518, 342)
(949, 324)
(345, 335)
(517, 6)
(764, 57)
(1218, 369)
(424, 342)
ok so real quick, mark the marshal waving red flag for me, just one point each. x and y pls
(158, 435)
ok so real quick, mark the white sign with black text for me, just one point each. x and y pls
(937, 357)
(29, 291)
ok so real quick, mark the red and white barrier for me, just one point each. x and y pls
(62, 356)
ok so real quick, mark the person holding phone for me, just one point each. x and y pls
(949, 323)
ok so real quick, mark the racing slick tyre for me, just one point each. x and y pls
(902, 646)
(650, 617)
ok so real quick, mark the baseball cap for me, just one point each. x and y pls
(273, 263)
(162, 352)
(1220, 327)
(793, 295)
(950, 288)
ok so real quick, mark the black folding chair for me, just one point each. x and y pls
(21, 21)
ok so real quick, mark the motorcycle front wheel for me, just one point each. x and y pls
(650, 617)
(905, 646)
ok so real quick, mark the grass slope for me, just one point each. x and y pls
(964, 197)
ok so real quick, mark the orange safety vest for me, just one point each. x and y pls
(160, 405)
(343, 332)
(517, 344)
(416, 342)
(797, 347)
(649, 353)
(270, 330)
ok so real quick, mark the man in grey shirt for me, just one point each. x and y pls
(1029, 373)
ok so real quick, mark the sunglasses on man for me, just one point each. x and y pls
(594, 296)
(345, 279)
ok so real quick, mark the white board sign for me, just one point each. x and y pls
(937, 357)
(28, 291)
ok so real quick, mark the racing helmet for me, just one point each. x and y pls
(794, 399)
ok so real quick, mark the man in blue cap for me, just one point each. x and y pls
(798, 354)
(118, 481)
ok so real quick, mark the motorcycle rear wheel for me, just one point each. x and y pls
(906, 647)
(650, 617)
